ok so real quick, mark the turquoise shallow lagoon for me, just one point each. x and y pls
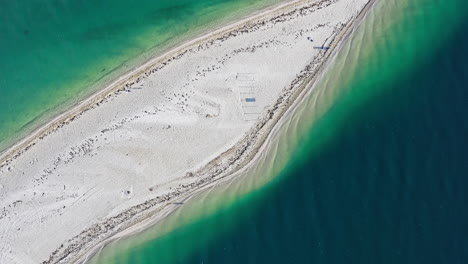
(54, 53)
(375, 173)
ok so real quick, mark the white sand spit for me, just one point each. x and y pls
(178, 123)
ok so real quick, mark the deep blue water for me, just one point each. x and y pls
(391, 187)
(387, 180)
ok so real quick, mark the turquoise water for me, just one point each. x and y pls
(53, 53)
(379, 178)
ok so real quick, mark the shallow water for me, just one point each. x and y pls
(378, 178)
(53, 53)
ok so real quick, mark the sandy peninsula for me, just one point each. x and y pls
(175, 125)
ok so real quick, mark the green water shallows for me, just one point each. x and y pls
(55, 52)
(379, 178)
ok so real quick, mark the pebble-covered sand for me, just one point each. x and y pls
(186, 120)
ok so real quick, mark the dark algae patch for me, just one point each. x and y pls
(55, 53)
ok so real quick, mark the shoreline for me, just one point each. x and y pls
(245, 157)
(81, 173)
(118, 85)
(128, 66)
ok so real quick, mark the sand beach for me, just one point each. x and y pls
(171, 127)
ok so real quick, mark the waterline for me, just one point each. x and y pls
(376, 55)
(50, 64)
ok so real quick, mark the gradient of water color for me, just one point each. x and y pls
(379, 178)
(54, 53)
